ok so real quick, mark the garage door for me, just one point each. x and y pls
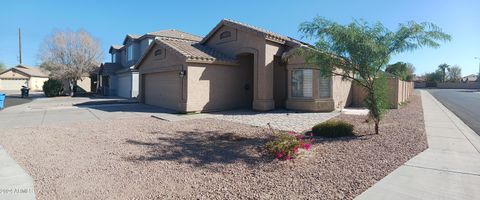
(163, 89)
(124, 86)
(12, 84)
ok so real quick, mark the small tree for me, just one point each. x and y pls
(359, 51)
(2, 67)
(70, 55)
(52, 88)
(402, 70)
(454, 73)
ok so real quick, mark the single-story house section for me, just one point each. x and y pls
(16, 77)
(236, 65)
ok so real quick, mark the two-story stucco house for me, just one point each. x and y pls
(235, 65)
(120, 77)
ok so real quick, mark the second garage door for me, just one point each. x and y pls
(163, 89)
(12, 84)
(125, 86)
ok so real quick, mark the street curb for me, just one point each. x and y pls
(471, 136)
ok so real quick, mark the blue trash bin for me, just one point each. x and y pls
(2, 100)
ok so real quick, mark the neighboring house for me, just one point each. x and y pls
(236, 65)
(16, 77)
(470, 78)
(119, 77)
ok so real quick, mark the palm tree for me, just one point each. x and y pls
(443, 67)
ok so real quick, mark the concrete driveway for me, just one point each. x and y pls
(61, 110)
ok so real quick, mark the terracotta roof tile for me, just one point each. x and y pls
(249, 28)
(195, 51)
(32, 71)
(176, 34)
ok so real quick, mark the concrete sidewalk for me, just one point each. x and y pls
(448, 169)
(15, 183)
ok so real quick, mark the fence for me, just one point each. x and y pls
(399, 92)
(449, 85)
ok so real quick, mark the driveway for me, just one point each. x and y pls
(63, 110)
(464, 103)
(13, 98)
(60, 110)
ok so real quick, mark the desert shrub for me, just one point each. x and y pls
(52, 88)
(288, 145)
(333, 128)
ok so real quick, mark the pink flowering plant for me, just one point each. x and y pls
(288, 145)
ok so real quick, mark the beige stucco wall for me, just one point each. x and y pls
(13, 74)
(342, 92)
(398, 91)
(36, 83)
(168, 62)
(264, 52)
(85, 83)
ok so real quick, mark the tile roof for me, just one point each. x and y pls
(275, 37)
(196, 52)
(109, 68)
(116, 46)
(176, 34)
(32, 71)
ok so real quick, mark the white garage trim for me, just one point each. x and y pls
(12, 84)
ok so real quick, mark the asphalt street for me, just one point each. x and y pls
(464, 103)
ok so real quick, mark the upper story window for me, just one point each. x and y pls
(114, 57)
(302, 83)
(225, 34)
(130, 53)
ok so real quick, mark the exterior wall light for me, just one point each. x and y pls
(182, 73)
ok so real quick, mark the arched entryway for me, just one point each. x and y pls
(246, 61)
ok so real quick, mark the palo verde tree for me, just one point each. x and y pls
(360, 51)
(70, 55)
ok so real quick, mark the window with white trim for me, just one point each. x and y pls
(114, 57)
(130, 53)
(323, 86)
(302, 83)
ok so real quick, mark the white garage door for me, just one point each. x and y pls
(124, 86)
(163, 89)
(12, 84)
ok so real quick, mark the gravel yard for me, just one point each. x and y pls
(147, 158)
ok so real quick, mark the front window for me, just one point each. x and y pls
(130, 52)
(114, 57)
(324, 86)
(302, 83)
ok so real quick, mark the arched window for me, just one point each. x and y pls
(225, 34)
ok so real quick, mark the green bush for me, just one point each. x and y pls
(52, 88)
(333, 128)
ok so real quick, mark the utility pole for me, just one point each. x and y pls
(478, 77)
(20, 45)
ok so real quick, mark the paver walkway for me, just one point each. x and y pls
(448, 169)
(286, 120)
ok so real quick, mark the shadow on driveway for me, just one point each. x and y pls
(203, 149)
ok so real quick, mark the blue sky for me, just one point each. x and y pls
(110, 20)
